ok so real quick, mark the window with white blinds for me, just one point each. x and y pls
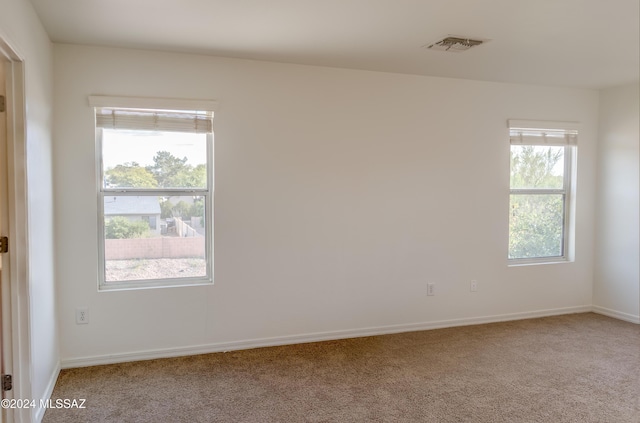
(154, 120)
(155, 191)
(543, 133)
(541, 185)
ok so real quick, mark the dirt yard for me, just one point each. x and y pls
(142, 269)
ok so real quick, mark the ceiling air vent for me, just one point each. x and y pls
(455, 44)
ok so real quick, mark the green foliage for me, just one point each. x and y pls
(197, 209)
(535, 226)
(535, 166)
(182, 209)
(166, 209)
(119, 227)
(130, 175)
(167, 171)
(166, 168)
(172, 172)
(198, 177)
(536, 221)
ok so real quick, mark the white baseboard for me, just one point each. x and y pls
(39, 412)
(312, 337)
(616, 314)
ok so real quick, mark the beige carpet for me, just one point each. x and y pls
(573, 368)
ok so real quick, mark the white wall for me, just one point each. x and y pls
(339, 195)
(21, 28)
(617, 274)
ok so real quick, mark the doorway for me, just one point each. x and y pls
(14, 296)
(5, 342)
(5, 271)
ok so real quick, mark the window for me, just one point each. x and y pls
(155, 191)
(542, 166)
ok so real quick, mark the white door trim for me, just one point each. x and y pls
(18, 228)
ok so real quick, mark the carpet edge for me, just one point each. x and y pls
(312, 337)
(616, 314)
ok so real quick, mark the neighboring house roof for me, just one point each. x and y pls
(126, 205)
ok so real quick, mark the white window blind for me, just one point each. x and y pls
(527, 132)
(154, 168)
(154, 120)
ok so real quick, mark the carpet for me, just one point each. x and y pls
(570, 368)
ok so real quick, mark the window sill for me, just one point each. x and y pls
(159, 283)
(537, 261)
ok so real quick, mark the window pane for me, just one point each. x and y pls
(148, 159)
(150, 237)
(536, 166)
(536, 226)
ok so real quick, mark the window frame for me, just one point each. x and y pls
(568, 141)
(160, 105)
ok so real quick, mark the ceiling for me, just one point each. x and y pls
(574, 43)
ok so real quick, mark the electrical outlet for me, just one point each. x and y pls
(82, 315)
(474, 285)
(431, 289)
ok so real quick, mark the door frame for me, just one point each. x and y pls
(18, 288)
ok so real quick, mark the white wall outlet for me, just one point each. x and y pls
(431, 289)
(82, 315)
(474, 285)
